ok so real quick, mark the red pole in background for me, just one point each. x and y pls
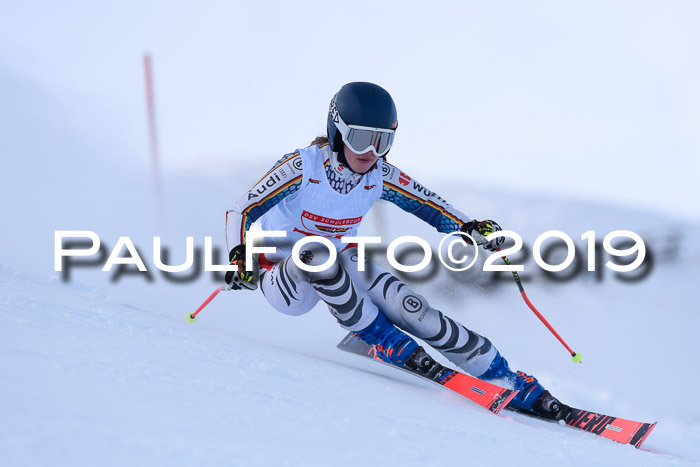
(152, 125)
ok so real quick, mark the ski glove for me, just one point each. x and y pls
(479, 230)
(241, 279)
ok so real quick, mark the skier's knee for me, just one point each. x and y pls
(316, 254)
(414, 310)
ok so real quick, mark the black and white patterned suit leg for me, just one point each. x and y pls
(294, 291)
(287, 293)
(412, 313)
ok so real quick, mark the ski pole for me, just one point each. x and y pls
(191, 316)
(575, 357)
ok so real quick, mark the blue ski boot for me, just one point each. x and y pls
(532, 397)
(393, 345)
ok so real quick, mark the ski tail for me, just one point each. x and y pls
(490, 396)
(617, 429)
(641, 434)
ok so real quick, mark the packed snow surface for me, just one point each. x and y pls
(97, 372)
(92, 381)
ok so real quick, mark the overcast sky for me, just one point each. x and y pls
(593, 99)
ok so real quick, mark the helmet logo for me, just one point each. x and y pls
(334, 110)
(393, 125)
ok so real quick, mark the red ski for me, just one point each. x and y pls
(490, 396)
(617, 429)
(495, 398)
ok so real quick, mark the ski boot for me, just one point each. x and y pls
(393, 346)
(532, 396)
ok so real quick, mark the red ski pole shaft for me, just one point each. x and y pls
(191, 316)
(546, 323)
(575, 357)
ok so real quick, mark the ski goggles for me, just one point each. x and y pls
(362, 138)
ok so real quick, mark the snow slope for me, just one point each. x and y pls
(102, 371)
(90, 381)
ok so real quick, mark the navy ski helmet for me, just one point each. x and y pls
(362, 116)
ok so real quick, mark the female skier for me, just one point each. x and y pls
(325, 190)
